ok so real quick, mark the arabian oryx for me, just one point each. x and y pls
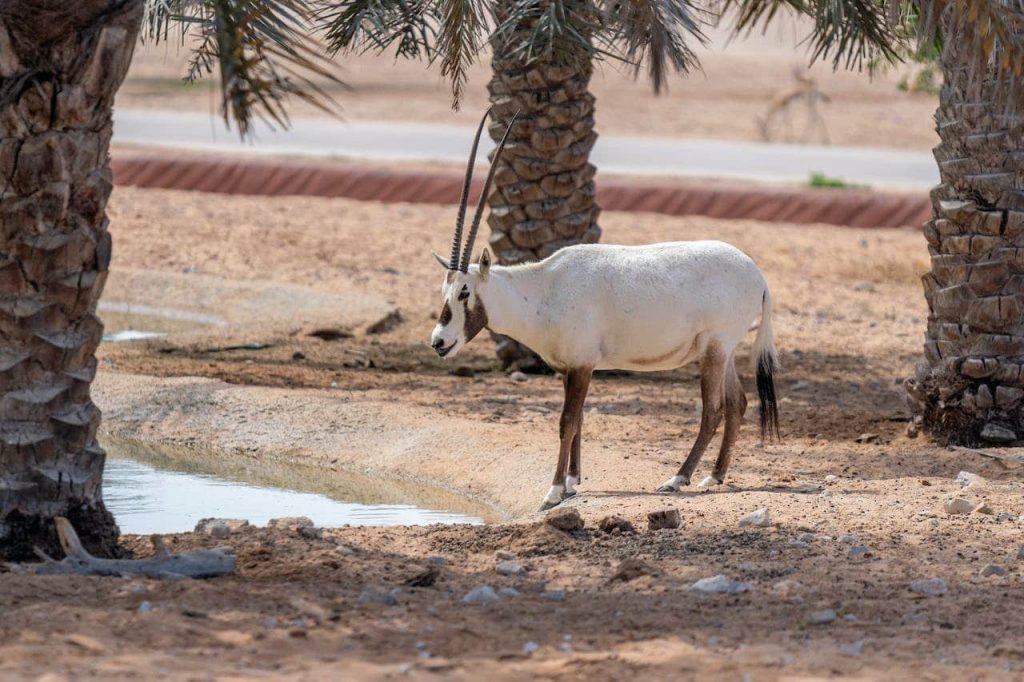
(641, 308)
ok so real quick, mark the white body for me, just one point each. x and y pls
(644, 308)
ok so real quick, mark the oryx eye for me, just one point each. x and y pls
(464, 294)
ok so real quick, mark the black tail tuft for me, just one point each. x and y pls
(766, 394)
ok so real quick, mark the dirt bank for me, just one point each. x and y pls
(852, 523)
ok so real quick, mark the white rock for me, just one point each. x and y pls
(932, 587)
(958, 505)
(719, 584)
(984, 508)
(484, 594)
(518, 376)
(831, 478)
(530, 647)
(966, 479)
(992, 569)
(510, 568)
(823, 617)
(756, 519)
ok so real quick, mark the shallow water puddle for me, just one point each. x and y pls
(150, 497)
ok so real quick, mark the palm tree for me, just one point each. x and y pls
(60, 65)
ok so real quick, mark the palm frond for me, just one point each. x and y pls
(655, 32)
(261, 49)
(459, 40)
(560, 32)
(363, 25)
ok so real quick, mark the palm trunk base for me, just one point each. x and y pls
(20, 534)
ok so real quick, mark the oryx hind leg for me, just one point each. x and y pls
(735, 408)
(712, 385)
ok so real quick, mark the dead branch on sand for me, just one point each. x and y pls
(207, 563)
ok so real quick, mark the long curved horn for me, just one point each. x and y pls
(464, 266)
(457, 241)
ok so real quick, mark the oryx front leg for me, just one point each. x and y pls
(576, 383)
(712, 383)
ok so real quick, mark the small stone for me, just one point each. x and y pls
(967, 479)
(290, 522)
(424, 578)
(565, 519)
(853, 648)
(463, 371)
(992, 569)
(787, 589)
(510, 568)
(664, 519)
(806, 537)
(615, 524)
(758, 518)
(632, 568)
(932, 587)
(298, 355)
(996, 433)
(958, 505)
(484, 594)
(530, 647)
(868, 438)
(504, 555)
(86, 642)
(859, 553)
(437, 560)
(220, 528)
(831, 478)
(233, 637)
(1003, 517)
(311, 532)
(798, 544)
(864, 285)
(984, 508)
(719, 584)
(507, 592)
(825, 493)
(371, 597)
(823, 617)
(850, 618)
(518, 377)
(554, 595)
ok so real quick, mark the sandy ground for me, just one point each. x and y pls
(736, 88)
(853, 523)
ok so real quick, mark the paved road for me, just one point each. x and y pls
(621, 155)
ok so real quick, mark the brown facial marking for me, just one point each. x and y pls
(446, 315)
(675, 352)
(476, 319)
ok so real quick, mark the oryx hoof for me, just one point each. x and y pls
(673, 484)
(709, 482)
(549, 505)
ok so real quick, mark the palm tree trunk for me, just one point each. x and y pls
(60, 65)
(543, 197)
(970, 386)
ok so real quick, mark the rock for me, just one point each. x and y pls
(631, 569)
(958, 505)
(311, 532)
(220, 528)
(311, 610)
(507, 592)
(145, 607)
(823, 617)
(1003, 517)
(554, 595)
(463, 371)
(290, 522)
(864, 285)
(831, 478)
(298, 355)
(530, 647)
(868, 438)
(992, 569)
(756, 519)
(510, 568)
(233, 637)
(371, 597)
(860, 552)
(932, 587)
(996, 433)
(719, 584)
(615, 524)
(484, 594)
(984, 508)
(853, 648)
(565, 519)
(664, 519)
(518, 377)
(437, 560)
(798, 544)
(967, 479)
(425, 578)
(504, 555)
(806, 537)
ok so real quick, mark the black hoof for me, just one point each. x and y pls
(567, 494)
(666, 489)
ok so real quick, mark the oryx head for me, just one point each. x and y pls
(462, 311)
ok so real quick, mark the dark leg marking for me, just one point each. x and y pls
(735, 408)
(577, 382)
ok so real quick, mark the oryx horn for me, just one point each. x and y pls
(457, 241)
(464, 266)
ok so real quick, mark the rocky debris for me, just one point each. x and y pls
(853, 648)
(386, 323)
(823, 617)
(425, 578)
(931, 587)
(996, 433)
(519, 377)
(530, 647)
(504, 555)
(859, 552)
(615, 524)
(631, 569)
(868, 438)
(664, 519)
(984, 508)
(220, 528)
(719, 584)
(992, 569)
(374, 598)
(966, 479)
(958, 505)
(758, 518)
(1003, 517)
(510, 568)
(565, 519)
(483, 594)
(437, 560)
(298, 355)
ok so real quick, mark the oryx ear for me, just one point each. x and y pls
(485, 263)
(442, 261)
